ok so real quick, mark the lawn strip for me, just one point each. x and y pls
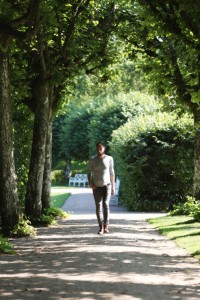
(58, 200)
(182, 230)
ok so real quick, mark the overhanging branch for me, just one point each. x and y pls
(29, 20)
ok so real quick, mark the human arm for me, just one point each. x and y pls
(89, 175)
(90, 181)
(112, 177)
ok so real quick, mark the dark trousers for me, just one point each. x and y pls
(102, 198)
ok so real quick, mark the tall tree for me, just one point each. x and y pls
(72, 36)
(166, 34)
(17, 21)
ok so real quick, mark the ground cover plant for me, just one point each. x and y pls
(5, 246)
(49, 217)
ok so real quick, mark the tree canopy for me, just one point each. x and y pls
(46, 47)
(166, 36)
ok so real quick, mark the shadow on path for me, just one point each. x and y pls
(70, 261)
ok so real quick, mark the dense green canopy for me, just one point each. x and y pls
(46, 44)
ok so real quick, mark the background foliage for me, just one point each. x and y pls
(76, 133)
(154, 155)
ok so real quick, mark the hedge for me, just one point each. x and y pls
(154, 160)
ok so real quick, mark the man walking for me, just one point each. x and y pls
(101, 178)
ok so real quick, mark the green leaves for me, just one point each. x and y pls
(196, 97)
(154, 155)
(167, 35)
(84, 126)
(23, 228)
(5, 246)
(190, 208)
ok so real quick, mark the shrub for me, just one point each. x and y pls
(154, 160)
(196, 214)
(5, 246)
(50, 216)
(45, 220)
(115, 112)
(190, 208)
(56, 212)
(187, 208)
(23, 228)
(57, 176)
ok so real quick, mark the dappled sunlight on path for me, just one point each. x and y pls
(70, 261)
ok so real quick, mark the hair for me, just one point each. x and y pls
(100, 143)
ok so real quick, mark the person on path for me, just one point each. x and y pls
(101, 178)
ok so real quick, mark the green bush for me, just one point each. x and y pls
(85, 124)
(23, 228)
(154, 160)
(58, 176)
(190, 208)
(50, 216)
(45, 220)
(5, 246)
(196, 214)
(56, 212)
(114, 112)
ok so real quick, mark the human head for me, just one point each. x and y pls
(100, 148)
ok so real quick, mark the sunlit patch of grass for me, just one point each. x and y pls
(60, 187)
(58, 200)
(183, 229)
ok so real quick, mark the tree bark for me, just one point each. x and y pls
(196, 185)
(46, 190)
(8, 184)
(33, 205)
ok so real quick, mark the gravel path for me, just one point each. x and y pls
(71, 261)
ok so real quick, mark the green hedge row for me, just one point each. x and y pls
(154, 155)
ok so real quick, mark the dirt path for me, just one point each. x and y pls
(71, 261)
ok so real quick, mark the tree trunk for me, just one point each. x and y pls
(33, 205)
(8, 184)
(196, 185)
(46, 190)
(68, 169)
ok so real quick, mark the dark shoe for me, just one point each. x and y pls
(101, 231)
(106, 230)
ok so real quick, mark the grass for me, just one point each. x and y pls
(182, 229)
(57, 187)
(59, 195)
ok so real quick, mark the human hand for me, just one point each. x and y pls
(93, 187)
(112, 190)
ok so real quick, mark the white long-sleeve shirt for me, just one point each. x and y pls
(101, 170)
